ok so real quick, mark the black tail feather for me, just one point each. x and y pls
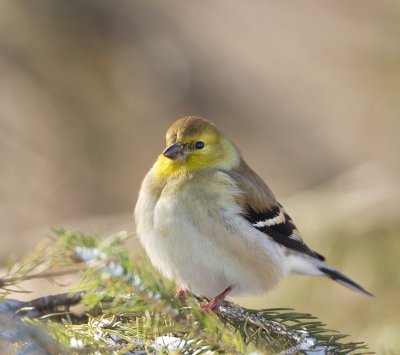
(344, 280)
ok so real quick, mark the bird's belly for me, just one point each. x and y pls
(185, 256)
(206, 258)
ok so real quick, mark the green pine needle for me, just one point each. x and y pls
(130, 309)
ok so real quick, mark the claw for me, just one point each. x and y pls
(180, 293)
(216, 302)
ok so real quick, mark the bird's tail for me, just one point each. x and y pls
(312, 266)
(342, 279)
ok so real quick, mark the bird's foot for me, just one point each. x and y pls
(216, 302)
(213, 305)
(180, 293)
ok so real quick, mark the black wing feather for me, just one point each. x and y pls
(281, 233)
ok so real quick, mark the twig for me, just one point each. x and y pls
(12, 279)
(53, 301)
(232, 313)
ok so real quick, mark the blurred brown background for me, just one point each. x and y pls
(310, 92)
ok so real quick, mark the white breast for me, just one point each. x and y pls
(198, 237)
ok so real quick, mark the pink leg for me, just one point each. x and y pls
(180, 292)
(216, 301)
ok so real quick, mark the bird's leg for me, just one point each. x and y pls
(180, 292)
(216, 301)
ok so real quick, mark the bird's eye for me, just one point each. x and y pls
(199, 145)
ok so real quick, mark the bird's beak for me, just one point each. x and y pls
(174, 151)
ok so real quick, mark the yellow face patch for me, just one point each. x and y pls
(214, 151)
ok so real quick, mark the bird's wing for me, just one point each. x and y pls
(278, 225)
(261, 209)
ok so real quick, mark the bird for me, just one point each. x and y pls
(209, 222)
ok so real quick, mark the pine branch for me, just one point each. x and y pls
(131, 309)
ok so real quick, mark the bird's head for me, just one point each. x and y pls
(192, 144)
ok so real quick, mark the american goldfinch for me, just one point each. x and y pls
(207, 220)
